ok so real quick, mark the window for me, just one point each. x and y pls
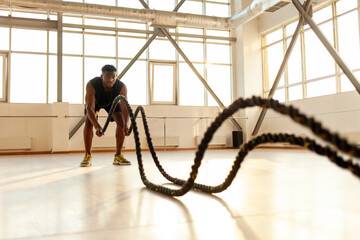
(130, 4)
(52, 87)
(92, 67)
(320, 88)
(165, 5)
(192, 7)
(4, 40)
(53, 42)
(311, 71)
(193, 50)
(72, 80)
(294, 64)
(100, 45)
(163, 82)
(128, 47)
(29, 87)
(72, 43)
(3, 76)
(217, 9)
(219, 81)
(348, 29)
(319, 62)
(273, 56)
(191, 90)
(162, 50)
(99, 22)
(153, 79)
(135, 80)
(35, 40)
(218, 53)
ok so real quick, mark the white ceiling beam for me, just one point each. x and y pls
(157, 17)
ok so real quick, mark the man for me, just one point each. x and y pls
(100, 93)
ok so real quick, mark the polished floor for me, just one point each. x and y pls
(277, 194)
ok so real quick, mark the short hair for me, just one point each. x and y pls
(108, 68)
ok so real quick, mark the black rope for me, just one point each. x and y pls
(334, 139)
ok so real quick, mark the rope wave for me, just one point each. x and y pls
(340, 144)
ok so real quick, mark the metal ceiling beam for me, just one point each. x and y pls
(187, 60)
(203, 81)
(148, 15)
(146, 45)
(162, 18)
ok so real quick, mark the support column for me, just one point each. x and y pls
(59, 56)
(307, 6)
(60, 141)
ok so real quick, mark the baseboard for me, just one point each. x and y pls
(108, 150)
(282, 147)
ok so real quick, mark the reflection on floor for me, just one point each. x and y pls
(277, 194)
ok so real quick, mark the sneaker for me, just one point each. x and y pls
(87, 161)
(120, 160)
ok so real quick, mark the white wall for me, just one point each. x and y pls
(338, 112)
(248, 77)
(51, 133)
(37, 128)
(180, 121)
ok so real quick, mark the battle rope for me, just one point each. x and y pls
(186, 185)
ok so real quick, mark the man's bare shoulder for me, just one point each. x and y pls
(89, 87)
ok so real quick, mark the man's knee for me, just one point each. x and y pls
(118, 119)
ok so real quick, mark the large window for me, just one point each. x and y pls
(163, 82)
(28, 75)
(311, 71)
(3, 76)
(191, 90)
(160, 75)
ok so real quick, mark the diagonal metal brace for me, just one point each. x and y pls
(307, 6)
(146, 45)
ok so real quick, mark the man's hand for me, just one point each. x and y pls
(99, 132)
(126, 131)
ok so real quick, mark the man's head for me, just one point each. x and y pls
(108, 75)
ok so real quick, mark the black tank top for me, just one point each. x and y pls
(103, 98)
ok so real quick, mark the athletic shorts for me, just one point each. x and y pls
(107, 109)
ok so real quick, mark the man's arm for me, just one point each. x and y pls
(125, 114)
(90, 108)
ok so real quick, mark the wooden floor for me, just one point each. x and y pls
(277, 194)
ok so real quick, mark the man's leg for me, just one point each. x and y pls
(119, 159)
(88, 136)
(119, 134)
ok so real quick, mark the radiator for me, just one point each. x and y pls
(171, 141)
(15, 143)
(216, 141)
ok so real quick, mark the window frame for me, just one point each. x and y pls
(305, 80)
(5, 76)
(83, 27)
(152, 65)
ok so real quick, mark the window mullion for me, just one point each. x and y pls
(286, 82)
(303, 62)
(336, 46)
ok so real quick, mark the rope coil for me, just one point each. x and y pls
(334, 139)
